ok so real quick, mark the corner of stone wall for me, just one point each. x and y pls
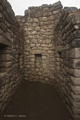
(11, 54)
(39, 42)
(67, 57)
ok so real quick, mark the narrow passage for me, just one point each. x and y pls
(36, 101)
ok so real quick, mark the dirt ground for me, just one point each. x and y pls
(36, 101)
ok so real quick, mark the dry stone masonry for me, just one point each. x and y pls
(43, 45)
(39, 42)
(11, 54)
(67, 59)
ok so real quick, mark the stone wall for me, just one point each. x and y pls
(51, 50)
(39, 42)
(67, 59)
(11, 54)
(43, 45)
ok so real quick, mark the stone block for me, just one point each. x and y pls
(77, 34)
(44, 57)
(34, 33)
(44, 19)
(75, 80)
(40, 42)
(34, 41)
(29, 28)
(37, 28)
(73, 53)
(46, 9)
(76, 89)
(8, 35)
(48, 41)
(75, 43)
(36, 20)
(35, 24)
(75, 97)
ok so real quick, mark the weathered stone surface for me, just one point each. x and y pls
(36, 20)
(11, 44)
(41, 41)
(67, 59)
(44, 45)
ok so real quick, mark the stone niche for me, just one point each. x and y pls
(38, 60)
(20, 61)
(3, 58)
